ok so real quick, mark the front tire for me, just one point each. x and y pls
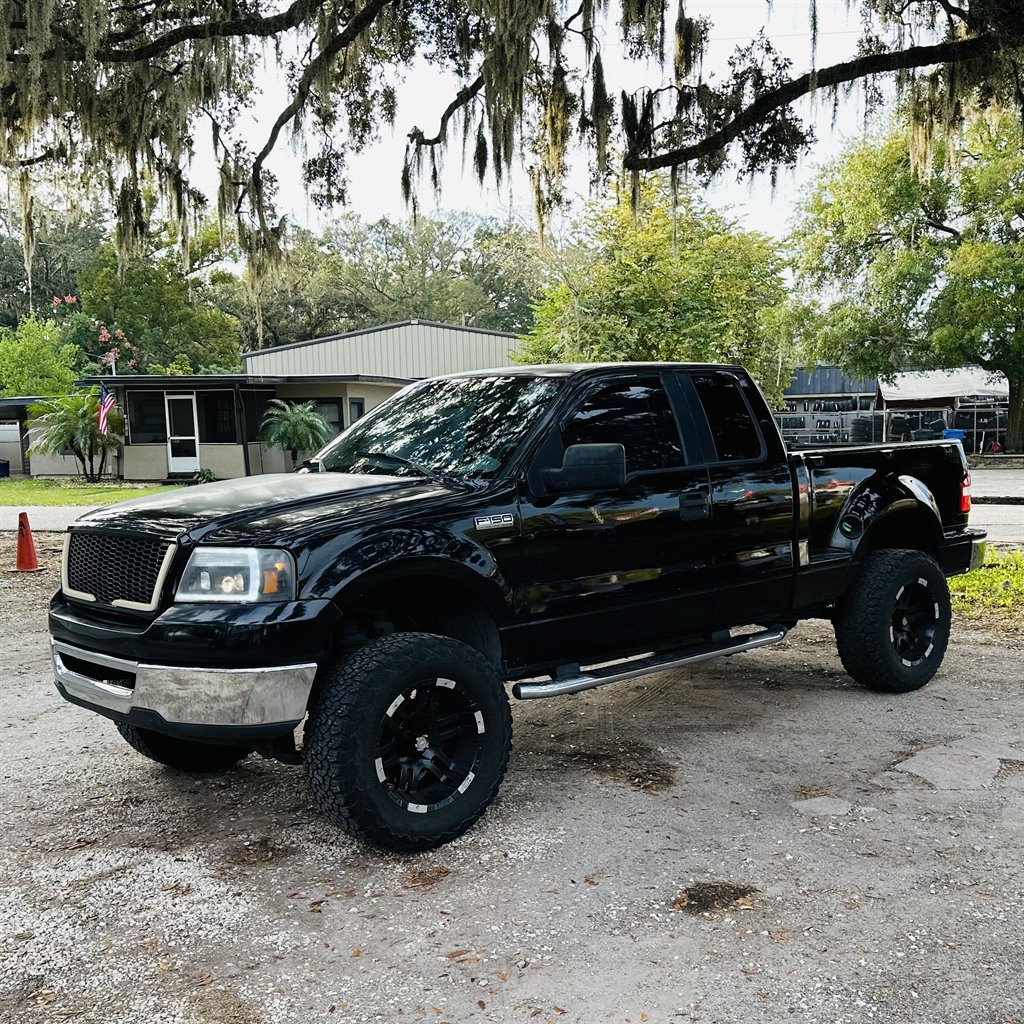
(407, 741)
(184, 755)
(893, 626)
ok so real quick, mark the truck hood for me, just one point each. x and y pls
(247, 507)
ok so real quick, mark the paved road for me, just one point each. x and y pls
(1005, 523)
(44, 518)
(997, 483)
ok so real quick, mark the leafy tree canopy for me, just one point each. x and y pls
(120, 91)
(677, 282)
(63, 242)
(454, 269)
(34, 361)
(920, 270)
(149, 312)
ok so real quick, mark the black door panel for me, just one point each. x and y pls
(634, 560)
(753, 508)
(753, 512)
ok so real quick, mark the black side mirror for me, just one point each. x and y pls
(589, 467)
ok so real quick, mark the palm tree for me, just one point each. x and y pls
(72, 422)
(294, 427)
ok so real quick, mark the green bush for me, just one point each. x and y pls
(997, 586)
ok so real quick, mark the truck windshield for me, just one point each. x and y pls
(454, 427)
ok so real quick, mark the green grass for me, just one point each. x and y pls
(997, 587)
(17, 491)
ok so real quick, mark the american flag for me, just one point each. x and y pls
(106, 404)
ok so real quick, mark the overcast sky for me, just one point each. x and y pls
(375, 173)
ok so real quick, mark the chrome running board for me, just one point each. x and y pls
(587, 680)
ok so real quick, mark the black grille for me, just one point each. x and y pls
(115, 567)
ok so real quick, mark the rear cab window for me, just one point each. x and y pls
(734, 435)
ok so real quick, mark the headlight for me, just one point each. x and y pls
(238, 574)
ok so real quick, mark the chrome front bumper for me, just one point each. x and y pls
(184, 696)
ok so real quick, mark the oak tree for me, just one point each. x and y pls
(678, 282)
(918, 269)
(119, 92)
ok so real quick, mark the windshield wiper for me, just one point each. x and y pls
(426, 471)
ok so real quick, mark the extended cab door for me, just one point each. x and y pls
(612, 571)
(752, 500)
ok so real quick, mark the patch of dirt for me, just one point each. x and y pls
(1010, 768)
(1001, 624)
(225, 1007)
(915, 746)
(22, 590)
(425, 878)
(263, 850)
(810, 792)
(708, 897)
(630, 761)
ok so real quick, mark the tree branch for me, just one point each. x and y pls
(360, 21)
(31, 161)
(787, 93)
(262, 27)
(952, 11)
(942, 227)
(252, 26)
(462, 97)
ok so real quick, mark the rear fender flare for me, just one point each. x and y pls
(873, 507)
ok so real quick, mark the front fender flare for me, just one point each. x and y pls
(343, 576)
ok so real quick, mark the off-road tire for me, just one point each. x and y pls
(869, 624)
(184, 755)
(350, 728)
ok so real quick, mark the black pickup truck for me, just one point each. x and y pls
(556, 527)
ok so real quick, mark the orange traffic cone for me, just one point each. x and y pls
(27, 561)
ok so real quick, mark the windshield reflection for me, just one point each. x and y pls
(452, 428)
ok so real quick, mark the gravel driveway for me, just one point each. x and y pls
(754, 840)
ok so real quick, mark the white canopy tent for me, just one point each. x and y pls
(944, 386)
(928, 403)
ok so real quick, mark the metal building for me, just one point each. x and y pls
(410, 350)
(828, 406)
(177, 426)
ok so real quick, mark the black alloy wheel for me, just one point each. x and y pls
(915, 618)
(407, 740)
(430, 745)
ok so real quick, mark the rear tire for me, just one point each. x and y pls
(185, 755)
(893, 627)
(407, 741)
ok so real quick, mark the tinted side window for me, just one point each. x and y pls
(637, 416)
(732, 429)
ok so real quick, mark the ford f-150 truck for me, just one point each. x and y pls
(554, 527)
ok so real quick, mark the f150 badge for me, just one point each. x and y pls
(494, 522)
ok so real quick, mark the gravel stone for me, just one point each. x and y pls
(124, 898)
(827, 805)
